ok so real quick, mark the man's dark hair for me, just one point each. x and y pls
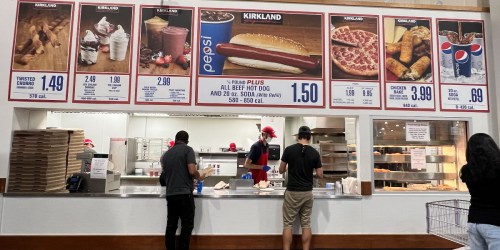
(182, 136)
(304, 133)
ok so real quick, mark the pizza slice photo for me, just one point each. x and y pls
(354, 48)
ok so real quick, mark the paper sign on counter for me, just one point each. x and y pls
(99, 168)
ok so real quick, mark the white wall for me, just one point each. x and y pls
(99, 127)
(203, 131)
(379, 214)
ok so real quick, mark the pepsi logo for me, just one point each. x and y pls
(476, 49)
(461, 56)
(446, 48)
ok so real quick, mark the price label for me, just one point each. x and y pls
(261, 92)
(464, 97)
(163, 89)
(409, 96)
(101, 88)
(38, 86)
(352, 95)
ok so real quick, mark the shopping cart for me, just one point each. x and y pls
(448, 219)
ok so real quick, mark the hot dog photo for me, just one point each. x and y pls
(244, 43)
(354, 47)
(408, 49)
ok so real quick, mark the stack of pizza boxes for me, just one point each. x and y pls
(40, 159)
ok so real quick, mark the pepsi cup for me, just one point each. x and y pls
(477, 54)
(199, 186)
(462, 62)
(445, 58)
(213, 32)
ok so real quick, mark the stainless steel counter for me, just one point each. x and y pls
(210, 193)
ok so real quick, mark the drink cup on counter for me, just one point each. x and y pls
(216, 27)
(199, 186)
(329, 185)
(174, 39)
(154, 27)
(461, 59)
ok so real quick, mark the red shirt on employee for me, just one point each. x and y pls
(257, 157)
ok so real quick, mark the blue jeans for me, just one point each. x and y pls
(179, 207)
(483, 236)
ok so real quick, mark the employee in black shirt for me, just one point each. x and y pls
(179, 165)
(482, 176)
(301, 160)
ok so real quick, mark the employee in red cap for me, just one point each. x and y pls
(232, 147)
(89, 146)
(256, 161)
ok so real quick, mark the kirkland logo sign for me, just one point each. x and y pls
(114, 9)
(45, 6)
(261, 18)
(353, 19)
(167, 12)
(406, 21)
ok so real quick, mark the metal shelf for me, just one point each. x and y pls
(406, 158)
(411, 176)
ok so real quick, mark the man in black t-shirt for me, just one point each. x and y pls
(179, 165)
(302, 161)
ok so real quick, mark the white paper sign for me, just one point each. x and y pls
(99, 168)
(360, 95)
(465, 98)
(260, 92)
(418, 158)
(418, 131)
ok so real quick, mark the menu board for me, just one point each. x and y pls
(164, 68)
(260, 58)
(40, 57)
(355, 70)
(463, 74)
(103, 63)
(408, 59)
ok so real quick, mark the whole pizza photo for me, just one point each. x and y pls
(354, 47)
(408, 49)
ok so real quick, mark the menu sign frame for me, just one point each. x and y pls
(37, 74)
(463, 67)
(160, 78)
(354, 90)
(103, 83)
(221, 82)
(403, 86)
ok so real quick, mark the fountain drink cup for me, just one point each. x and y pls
(445, 57)
(477, 53)
(174, 39)
(154, 27)
(211, 34)
(461, 59)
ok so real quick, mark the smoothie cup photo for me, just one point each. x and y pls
(154, 27)
(174, 39)
(216, 27)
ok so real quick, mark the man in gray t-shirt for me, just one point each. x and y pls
(179, 165)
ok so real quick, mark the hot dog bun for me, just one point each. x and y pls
(272, 44)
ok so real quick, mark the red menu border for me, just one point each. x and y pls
(69, 53)
(239, 77)
(132, 23)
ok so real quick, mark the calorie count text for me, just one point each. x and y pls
(255, 91)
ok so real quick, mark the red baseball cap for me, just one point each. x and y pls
(269, 131)
(232, 145)
(171, 143)
(88, 141)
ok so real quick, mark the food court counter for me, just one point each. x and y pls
(208, 192)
